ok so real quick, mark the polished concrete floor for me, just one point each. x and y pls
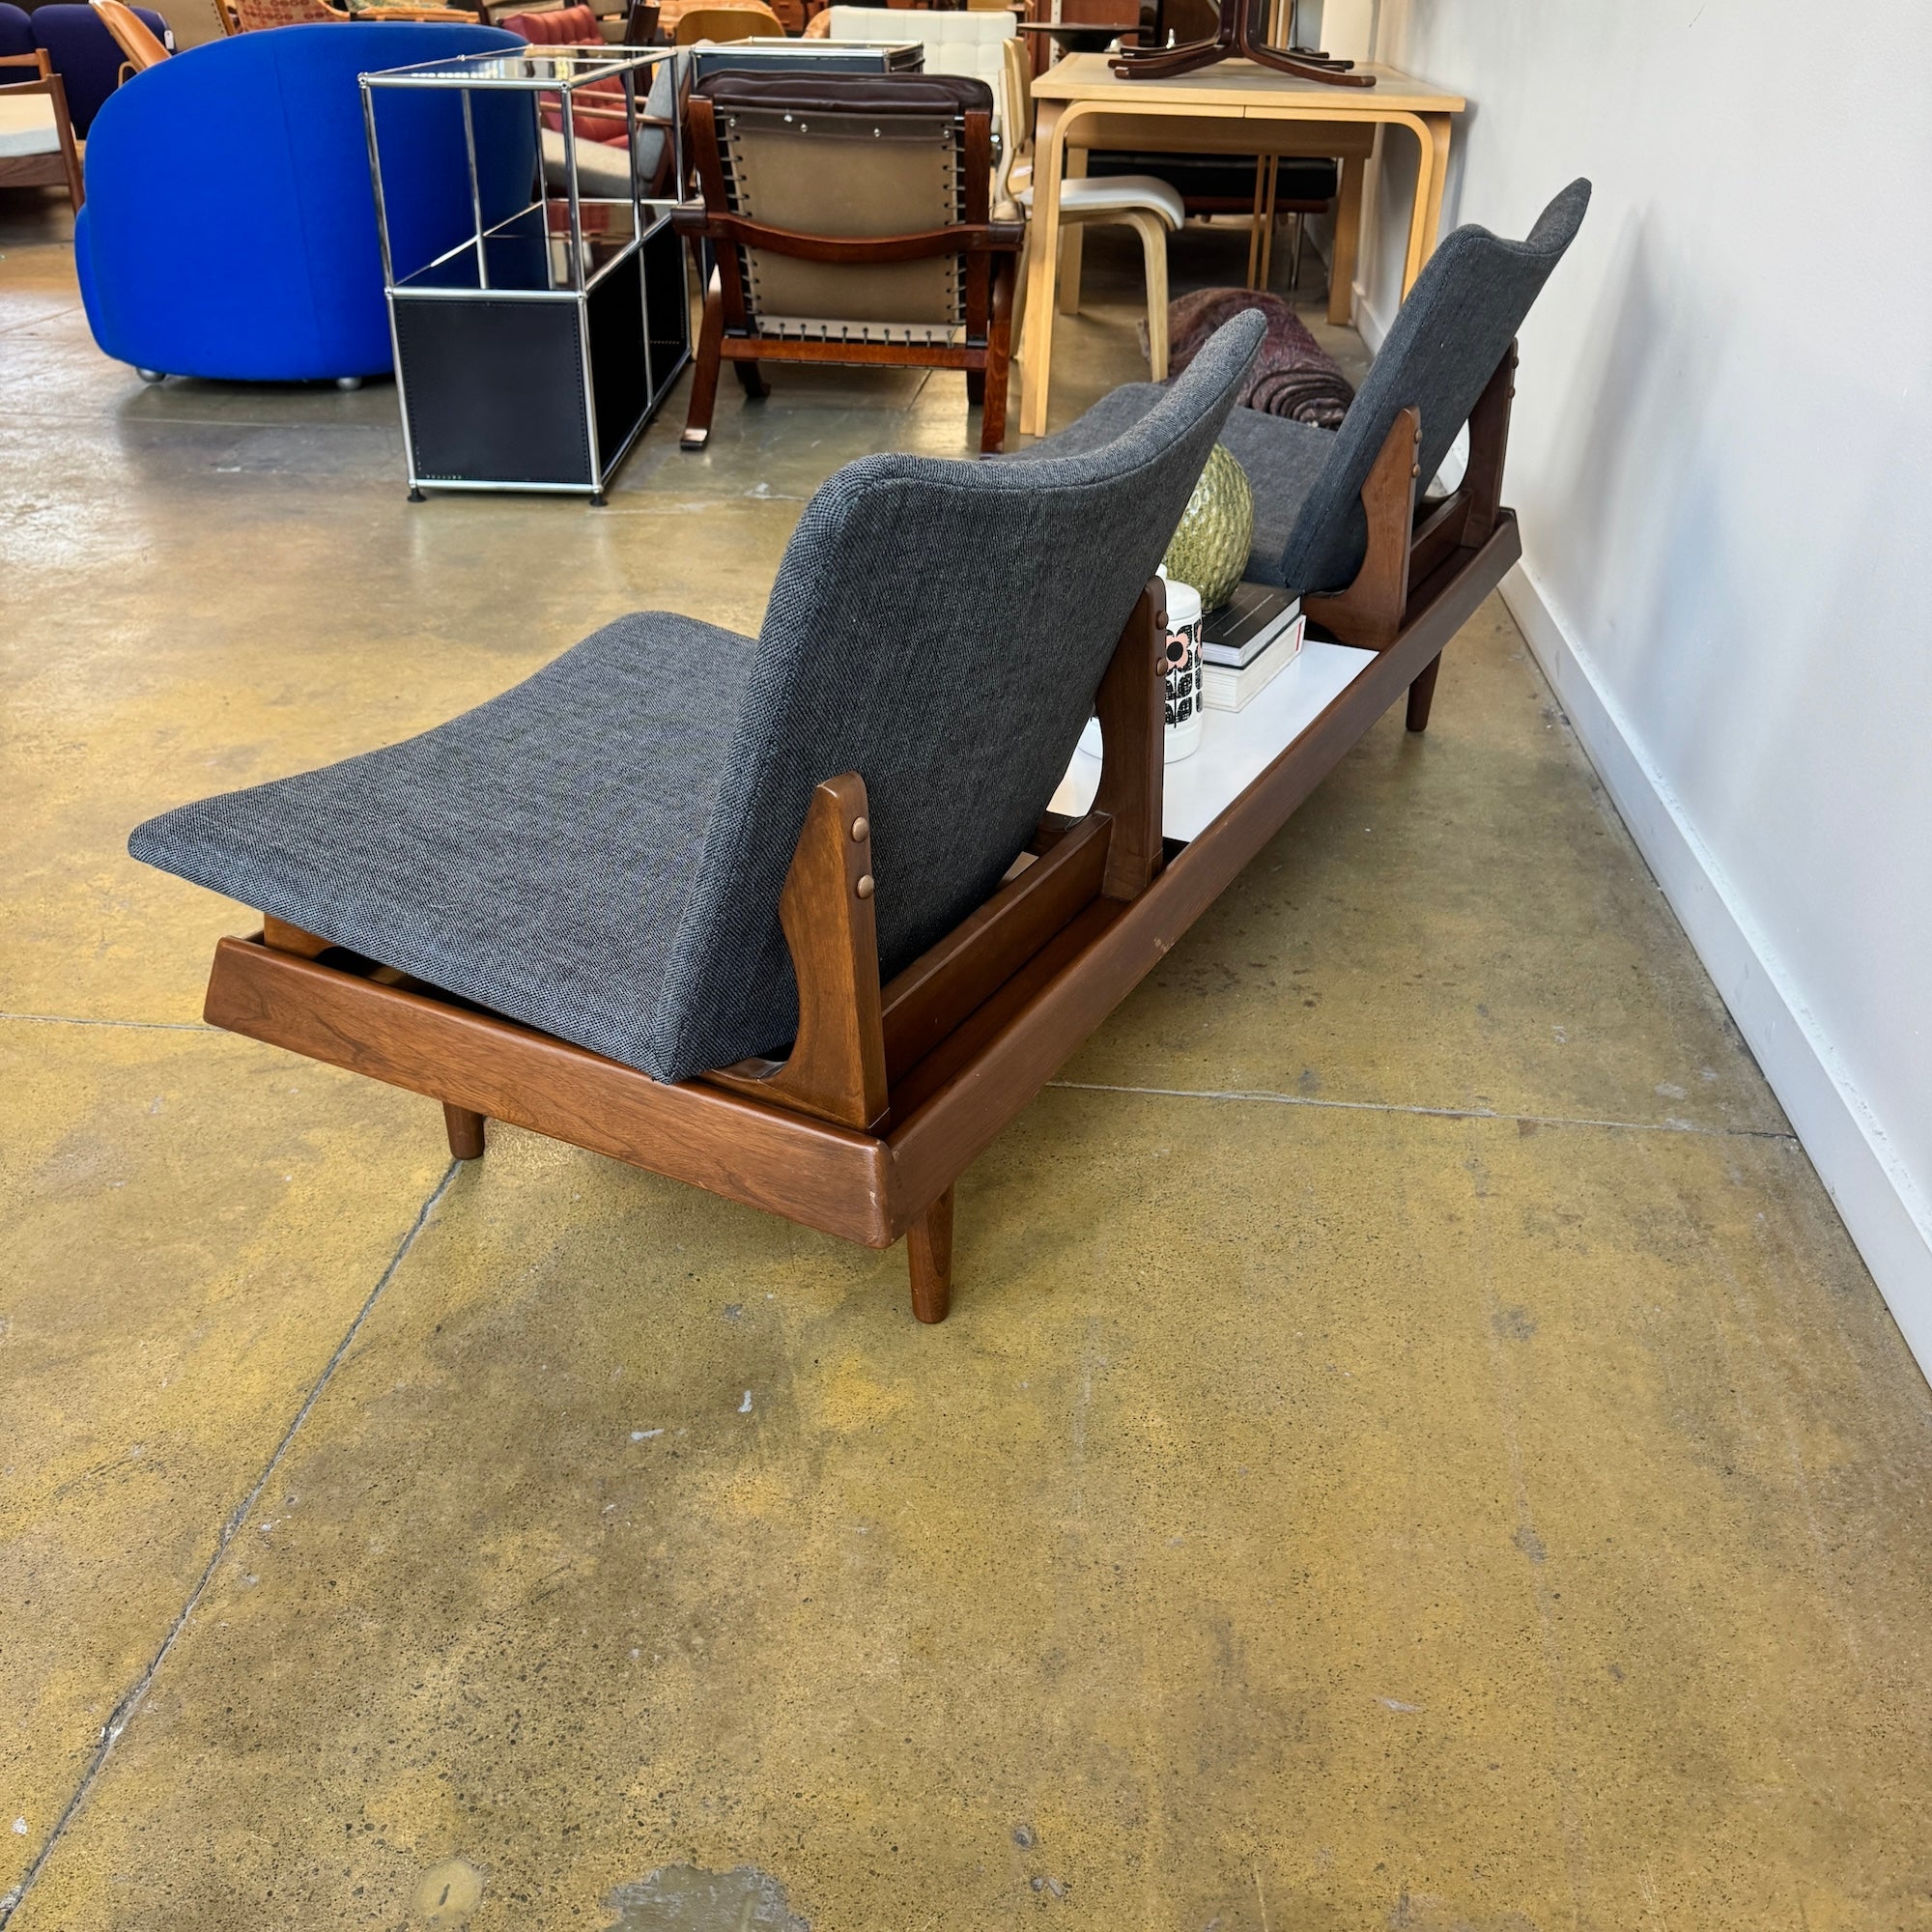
(1414, 1446)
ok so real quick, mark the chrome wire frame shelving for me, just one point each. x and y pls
(538, 302)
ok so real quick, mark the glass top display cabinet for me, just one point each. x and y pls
(538, 293)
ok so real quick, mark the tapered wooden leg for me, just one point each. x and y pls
(976, 386)
(999, 364)
(929, 1251)
(704, 375)
(751, 380)
(466, 1132)
(1421, 694)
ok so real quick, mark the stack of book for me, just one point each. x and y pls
(1247, 643)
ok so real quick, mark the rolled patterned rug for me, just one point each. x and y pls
(1293, 374)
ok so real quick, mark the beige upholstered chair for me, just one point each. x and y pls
(36, 137)
(955, 41)
(1151, 207)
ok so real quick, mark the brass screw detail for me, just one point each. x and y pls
(860, 826)
(864, 887)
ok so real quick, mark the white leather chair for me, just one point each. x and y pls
(964, 42)
(1152, 207)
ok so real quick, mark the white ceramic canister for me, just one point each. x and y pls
(1184, 722)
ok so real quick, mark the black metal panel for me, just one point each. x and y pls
(495, 389)
(666, 306)
(615, 315)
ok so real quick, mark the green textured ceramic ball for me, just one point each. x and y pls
(1210, 549)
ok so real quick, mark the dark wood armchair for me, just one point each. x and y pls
(850, 221)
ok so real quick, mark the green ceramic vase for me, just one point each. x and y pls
(1210, 549)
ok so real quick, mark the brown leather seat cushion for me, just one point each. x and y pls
(851, 93)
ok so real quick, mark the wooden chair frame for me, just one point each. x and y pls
(60, 169)
(889, 1091)
(991, 249)
(132, 35)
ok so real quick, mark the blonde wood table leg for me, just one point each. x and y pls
(1274, 167)
(1255, 225)
(1073, 235)
(1433, 138)
(1348, 239)
(1049, 153)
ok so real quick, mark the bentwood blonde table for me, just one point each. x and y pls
(1237, 108)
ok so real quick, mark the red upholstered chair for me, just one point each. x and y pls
(561, 27)
(577, 26)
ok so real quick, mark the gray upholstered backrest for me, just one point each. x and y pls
(1448, 337)
(939, 628)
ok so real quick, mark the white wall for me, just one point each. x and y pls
(1721, 453)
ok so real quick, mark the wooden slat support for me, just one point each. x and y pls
(940, 988)
(837, 1069)
(775, 1157)
(1374, 608)
(1131, 706)
(1369, 614)
(287, 938)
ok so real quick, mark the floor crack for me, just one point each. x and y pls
(140, 1026)
(124, 1712)
(1264, 1096)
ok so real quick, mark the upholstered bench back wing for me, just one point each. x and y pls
(939, 628)
(1444, 345)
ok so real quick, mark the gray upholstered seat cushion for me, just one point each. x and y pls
(1285, 460)
(1446, 341)
(536, 855)
(599, 852)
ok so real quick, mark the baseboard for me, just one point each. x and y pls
(1883, 1208)
(1370, 325)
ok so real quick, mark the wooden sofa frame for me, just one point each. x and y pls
(890, 1091)
(990, 248)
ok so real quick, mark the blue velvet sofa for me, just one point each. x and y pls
(230, 226)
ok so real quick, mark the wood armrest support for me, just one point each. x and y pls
(856, 1040)
(1131, 705)
(837, 1069)
(1403, 552)
(967, 237)
(1368, 614)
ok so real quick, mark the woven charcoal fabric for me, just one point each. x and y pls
(1446, 341)
(599, 852)
(1441, 350)
(1294, 376)
(534, 855)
